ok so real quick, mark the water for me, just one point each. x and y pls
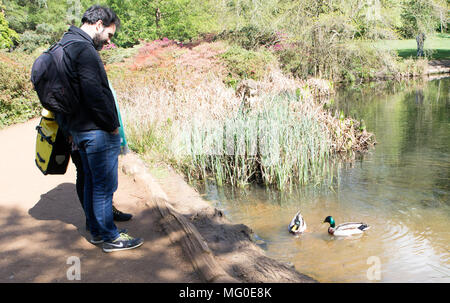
(401, 188)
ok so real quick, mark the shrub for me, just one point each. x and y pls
(44, 35)
(181, 20)
(8, 37)
(419, 16)
(244, 64)
(18, 101)
(250, 37)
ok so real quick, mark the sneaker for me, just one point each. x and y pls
(99, 240)
(123, 242)
(120, 216)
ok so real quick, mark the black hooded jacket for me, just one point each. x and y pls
(90, 83)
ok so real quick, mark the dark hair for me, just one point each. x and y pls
(97, 12)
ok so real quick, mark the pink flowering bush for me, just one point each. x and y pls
(109, 47)
(158, 43)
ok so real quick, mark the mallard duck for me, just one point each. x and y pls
(345, 229)
(297, 225)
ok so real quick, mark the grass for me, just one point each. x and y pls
(438, 46)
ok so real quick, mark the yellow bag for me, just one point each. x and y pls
(52, 148)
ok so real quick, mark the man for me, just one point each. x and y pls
(95, 125)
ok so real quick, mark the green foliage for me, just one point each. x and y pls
(423, 16)
(244, 64)
(419, 16)
(296, 17)
(44, 35)
(8, 37)
(317, 38)
(26, 15)
(264, 15)
(180, 20)
(250, 22)
(339, 62)
(18, 101)
(55, 15)
(249, 37)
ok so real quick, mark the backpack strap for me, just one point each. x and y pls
(70, 42)
(64, 45)
(51, 47)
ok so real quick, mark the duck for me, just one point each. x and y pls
(298, 224)
(345, 229)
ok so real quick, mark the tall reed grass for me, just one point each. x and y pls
(277, 145)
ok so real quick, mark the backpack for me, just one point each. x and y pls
(52, 148)
(51, 82)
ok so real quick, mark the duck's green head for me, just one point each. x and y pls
(330, 220)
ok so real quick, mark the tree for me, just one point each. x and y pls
(8, 37)
(420, 18)
(175, 19)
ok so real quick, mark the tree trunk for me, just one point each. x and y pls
(157, 17)
(420, 38)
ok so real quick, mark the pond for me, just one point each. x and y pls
(401, 188)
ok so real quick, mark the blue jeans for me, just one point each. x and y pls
(99, 151)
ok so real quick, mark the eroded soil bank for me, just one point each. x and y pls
(231, 245)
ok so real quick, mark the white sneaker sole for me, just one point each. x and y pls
(107, 250)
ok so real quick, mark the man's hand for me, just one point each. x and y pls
(116, 132)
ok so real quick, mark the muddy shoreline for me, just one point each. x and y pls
(219, 250)
(435, 69)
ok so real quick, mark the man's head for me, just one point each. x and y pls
(101, 24)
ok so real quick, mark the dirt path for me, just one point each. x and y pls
(42, 225)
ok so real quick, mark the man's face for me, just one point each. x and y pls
(103, 35)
